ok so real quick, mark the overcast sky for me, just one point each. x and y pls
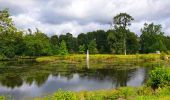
(76, 16)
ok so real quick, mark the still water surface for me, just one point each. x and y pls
(28, 79)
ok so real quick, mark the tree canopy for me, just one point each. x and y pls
(119, 40)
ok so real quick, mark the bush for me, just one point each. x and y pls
(125, 92)
(163, 91)
(2, 97)
(64, 95)
(144, 90)
(163, 56)
(159, 77)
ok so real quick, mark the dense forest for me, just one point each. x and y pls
(118, 40)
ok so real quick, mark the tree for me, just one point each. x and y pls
(71, 42)
(43, 43)
(132, 43)
(167, 42)
(92, 47)
(81, 49)
(9, 36)
(121, 21)
(6, 22)
(54, 40)
(63, 48)
(101, 41)
(152, 38)
(82, 40)
(37, 44)
(115, 40)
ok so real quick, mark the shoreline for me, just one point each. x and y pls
(121, 93)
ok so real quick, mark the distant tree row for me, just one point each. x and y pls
(118, 40)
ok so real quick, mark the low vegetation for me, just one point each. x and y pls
(2, 98)
(105, 58)
(123, 93)
(159, 77)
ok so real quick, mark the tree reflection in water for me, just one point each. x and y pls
(13, 74)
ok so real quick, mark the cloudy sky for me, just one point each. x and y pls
(76, 16)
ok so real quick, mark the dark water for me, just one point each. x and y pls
(23, 80)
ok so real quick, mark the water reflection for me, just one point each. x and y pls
(23, 80)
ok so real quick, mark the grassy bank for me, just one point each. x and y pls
(123, 93)
(17, 58)
(108, 58)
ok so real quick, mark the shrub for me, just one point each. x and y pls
(159, 77)
(2, 97)
(144, 90)
(163, 91)
(64, 95)
(163, 56)
(125, 92)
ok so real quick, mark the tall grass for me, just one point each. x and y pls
(123, 93)
(108, 58)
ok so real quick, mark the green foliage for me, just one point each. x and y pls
(101, 41)
(123, 93)
(55, 49)
(132, 44)
(149, 57)
(163, 56)
(9, 37)
(152, 38)
(37, 44)
(122, 20)
(92, 47)
(82, 39)
(15, 43)
(81, 49)
(54, 40)
(159, 77)
(115, 40)
(2, 98)
(167, 42)
(163, 91)
(64, 95)
(63, 48)
(70, 41)
(144, 90)
(126, 91)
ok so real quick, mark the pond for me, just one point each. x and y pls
(23, 80)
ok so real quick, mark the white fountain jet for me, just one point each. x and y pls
(87, 58)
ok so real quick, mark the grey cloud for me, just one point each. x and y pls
(13, 9)
(85, 15)
(150, 10)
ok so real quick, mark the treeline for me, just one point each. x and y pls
(119, 40)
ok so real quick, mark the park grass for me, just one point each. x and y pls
(122, 93)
